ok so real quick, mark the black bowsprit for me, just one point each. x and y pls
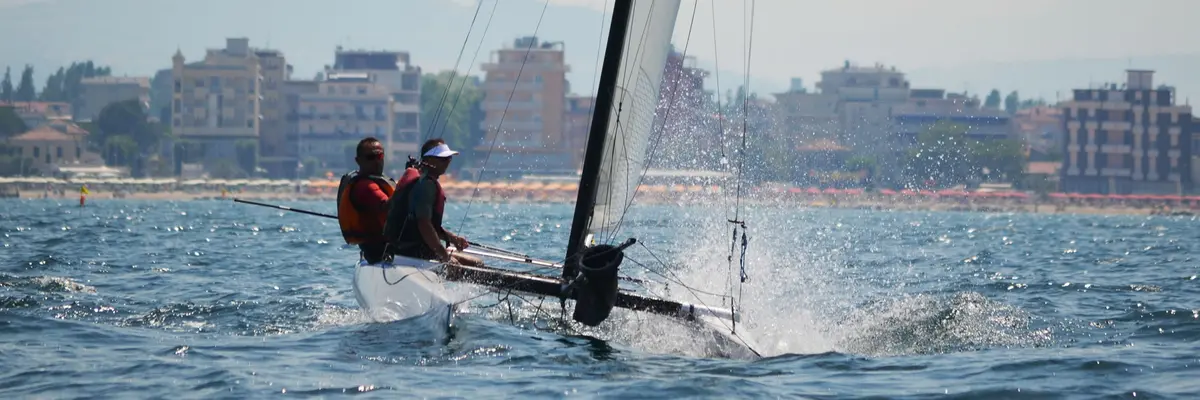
(595, 289)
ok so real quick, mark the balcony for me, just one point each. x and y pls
(507, 87)
(1116, 148)
(1116, 125)
(500, 106)
(529, 66)
(1115, 172)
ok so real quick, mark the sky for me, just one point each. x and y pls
(1035, 46)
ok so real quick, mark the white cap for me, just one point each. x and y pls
(441, 151)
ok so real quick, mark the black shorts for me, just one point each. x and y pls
(373, 252)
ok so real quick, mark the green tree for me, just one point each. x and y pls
(25, 90)
(446, 104)
(53, 91)
(120, 150)
(993, 99)
(859, 163)
(128, 118)
(942, 155)
(1012, 103)
(6, 86)
(998, 159)
(11, 124)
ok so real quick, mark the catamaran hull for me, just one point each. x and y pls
(402, 289)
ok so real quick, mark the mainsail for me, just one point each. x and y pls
(624, 115)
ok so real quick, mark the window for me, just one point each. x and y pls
(60, 152)
(329, 89)
(78, 152)
(178, 86)
(47, 157)
(250, 123)
(37, 152)
(215, 82)
(361, 89)
(176, 122)
(199, 83)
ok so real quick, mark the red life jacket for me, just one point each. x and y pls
(357, 226)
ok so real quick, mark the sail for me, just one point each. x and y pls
(631, 120)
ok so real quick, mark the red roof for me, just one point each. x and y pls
(43, 133)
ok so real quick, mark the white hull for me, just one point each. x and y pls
(402, 289)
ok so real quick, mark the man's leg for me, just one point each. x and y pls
(464, 259)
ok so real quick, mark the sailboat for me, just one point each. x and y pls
(630, 79)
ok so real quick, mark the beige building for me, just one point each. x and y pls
(395, 71)
(98, 92)
(52, 146)
(1130, 139)
(38, 113)
(227, 100)
(346, 108)
(524, 107)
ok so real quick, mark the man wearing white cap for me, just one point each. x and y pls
(414, 225)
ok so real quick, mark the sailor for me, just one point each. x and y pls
(362, 200)
(414, 225)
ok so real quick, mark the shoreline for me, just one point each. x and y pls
(874, 203)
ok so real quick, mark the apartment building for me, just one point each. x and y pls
(1127, 139)
(395, 71)
(578, 124)
(930, 106)
(217, 102)
(273, 146)
(1041, 127)
(345, 108)
(97, 92)
(524, 103)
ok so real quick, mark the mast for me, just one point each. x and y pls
(597, 133)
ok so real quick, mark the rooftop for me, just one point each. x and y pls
(43, 133)
(117, 80)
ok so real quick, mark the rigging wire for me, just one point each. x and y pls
(442, 102)
(463, 85)
(670, 106)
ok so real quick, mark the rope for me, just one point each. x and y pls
(463, 85)
(442, 102)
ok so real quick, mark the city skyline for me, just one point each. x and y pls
(912, 38)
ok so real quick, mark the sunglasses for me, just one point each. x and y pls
(371, 156)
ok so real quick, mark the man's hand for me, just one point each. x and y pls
(458, 242)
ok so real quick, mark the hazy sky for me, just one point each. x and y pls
(792, 38)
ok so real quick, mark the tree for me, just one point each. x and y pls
(993, 100)
(120, 150)
(1001, 159)
(942, 155)
(25, 90)
(446, 103)
(53, 91)
(6, 86)
(128, 118)
(11, 124)
(1012, 103)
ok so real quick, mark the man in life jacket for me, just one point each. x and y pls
(362, 201)
(414, 225)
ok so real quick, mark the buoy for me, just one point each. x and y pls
(82, 199)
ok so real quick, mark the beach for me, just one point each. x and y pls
(763, 198)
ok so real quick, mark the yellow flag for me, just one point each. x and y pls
(83, 190)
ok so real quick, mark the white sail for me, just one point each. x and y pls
(631, 122)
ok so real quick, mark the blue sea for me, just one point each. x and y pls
(213, 299)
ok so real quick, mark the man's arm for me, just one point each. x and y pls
(422, 204)
(369, 198)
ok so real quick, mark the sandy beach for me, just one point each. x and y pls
(864, 202)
